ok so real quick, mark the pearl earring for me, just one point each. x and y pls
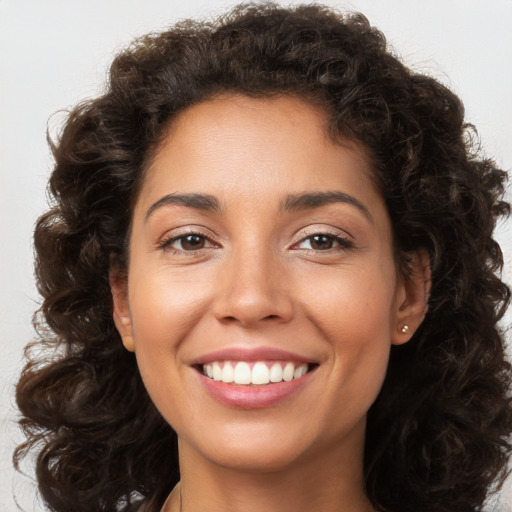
(405, 329)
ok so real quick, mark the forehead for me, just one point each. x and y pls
(233, 138)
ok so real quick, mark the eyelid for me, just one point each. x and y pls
(321, 229)
(342, 243)
(171, 241)
(165, 241)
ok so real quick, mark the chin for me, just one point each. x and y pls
(254, 459)
(253, 449)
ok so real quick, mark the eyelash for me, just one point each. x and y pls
(343, 243)
(166, 243)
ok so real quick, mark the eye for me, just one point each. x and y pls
(323, 242)
(188, 242)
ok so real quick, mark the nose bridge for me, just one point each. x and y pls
(252, 286)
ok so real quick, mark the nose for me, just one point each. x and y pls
(253, 290)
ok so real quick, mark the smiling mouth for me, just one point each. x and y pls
(257, 373)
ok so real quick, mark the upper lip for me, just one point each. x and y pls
(251, 354)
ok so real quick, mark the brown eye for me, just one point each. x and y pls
(187, 243)
(192, 242)
(321, 242)
(324, 242)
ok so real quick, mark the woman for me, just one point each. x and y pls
(270, 277)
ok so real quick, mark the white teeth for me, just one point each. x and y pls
(217, 371)
(228, 374)
(276, 373)
(300, 371)
(260, 374)
(241, 373)
(288, 372)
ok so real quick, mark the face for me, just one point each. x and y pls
(261, 252)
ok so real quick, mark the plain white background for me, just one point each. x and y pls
(54, 53)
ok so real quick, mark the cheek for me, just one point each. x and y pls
(165, 305)
(354, 303)
(354, 313)
(165, 309)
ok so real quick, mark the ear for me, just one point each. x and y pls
(413, 295)
(121, 310)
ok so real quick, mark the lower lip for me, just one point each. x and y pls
(253, 397)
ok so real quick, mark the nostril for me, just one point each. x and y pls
(231, 318)
(251, 307)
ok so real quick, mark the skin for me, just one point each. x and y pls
(259, 279)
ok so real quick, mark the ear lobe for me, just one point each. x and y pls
(121, 310)
(413, 301)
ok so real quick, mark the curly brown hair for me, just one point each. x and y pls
(437, 435)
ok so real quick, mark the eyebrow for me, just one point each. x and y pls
(317, 199)
(203, 202)
(292, 202)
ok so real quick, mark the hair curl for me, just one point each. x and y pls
(437, 434)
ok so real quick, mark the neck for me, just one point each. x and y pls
(330, 482)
